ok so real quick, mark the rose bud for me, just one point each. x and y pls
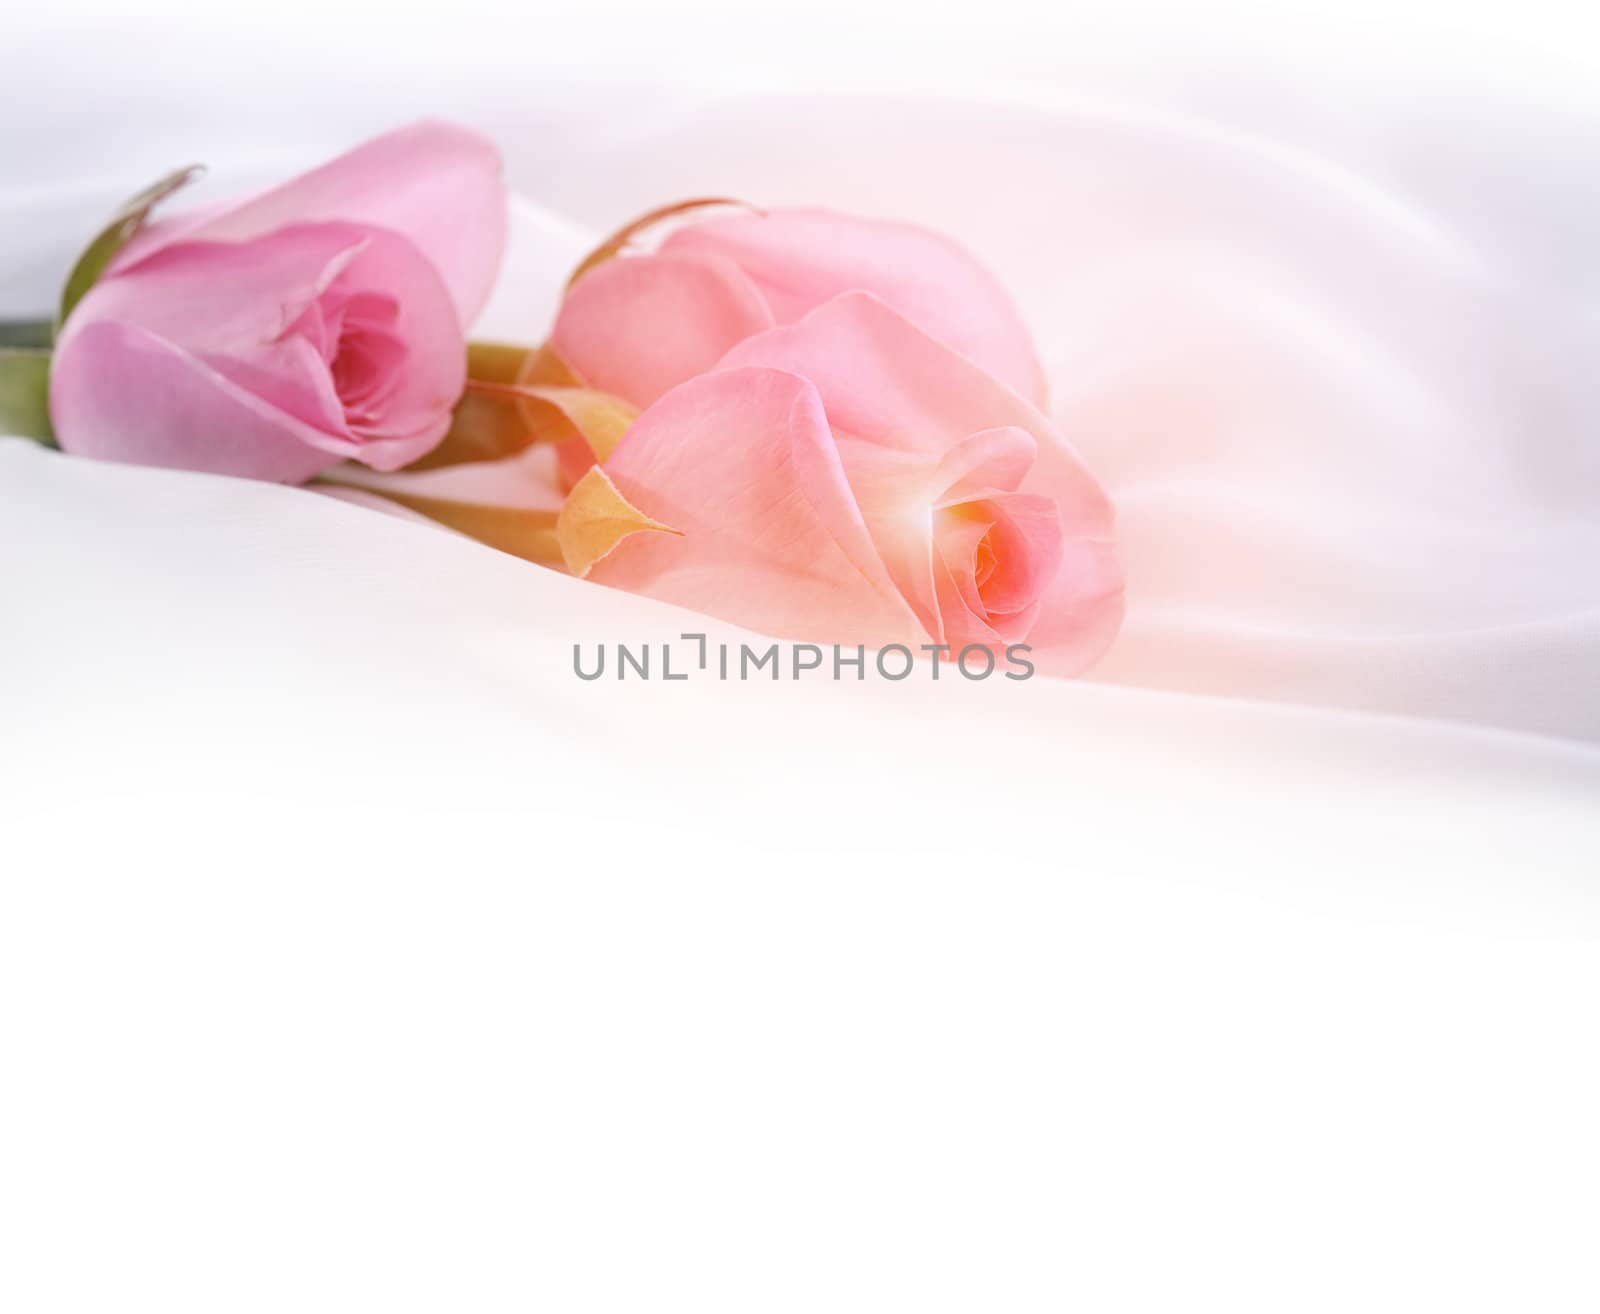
(321, 321)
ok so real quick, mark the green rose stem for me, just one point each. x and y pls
(519, 531)
(25, 379)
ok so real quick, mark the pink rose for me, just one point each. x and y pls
(324, 320)
(841, 421)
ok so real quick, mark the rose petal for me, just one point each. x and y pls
(742, 463)
(1082, 611)
(992, 460)
(595, 518)
(437, 184)
(958, 536)
(801, 258)
(231, 304)
(636, 327)
(885, 380)
(116, 389)
(414, 413)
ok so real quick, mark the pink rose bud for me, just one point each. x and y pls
(322, 321)
(841, 420)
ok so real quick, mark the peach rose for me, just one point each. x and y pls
(841, 424)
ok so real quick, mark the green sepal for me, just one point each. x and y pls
(122, 229)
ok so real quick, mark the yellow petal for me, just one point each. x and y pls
(595, 518)
(516, 397)
(597, 417)
(542, 367)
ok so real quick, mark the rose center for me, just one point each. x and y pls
(1002, 552)
(984, 563)
(365, 354)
